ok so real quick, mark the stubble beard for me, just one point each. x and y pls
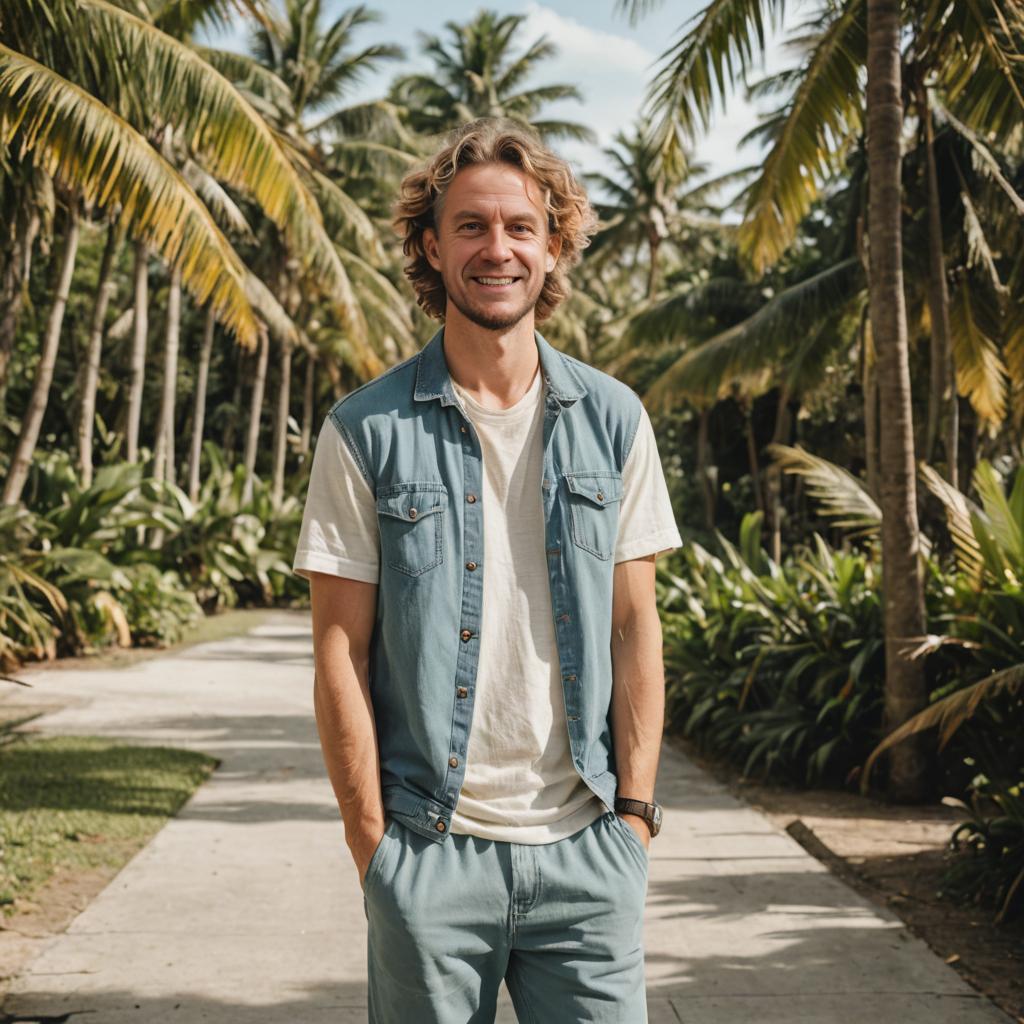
(491, 322)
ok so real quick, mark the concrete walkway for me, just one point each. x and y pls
(246, 907)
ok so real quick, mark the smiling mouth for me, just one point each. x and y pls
(496, 282)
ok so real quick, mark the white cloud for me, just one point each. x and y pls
(613, 72)
(610, 70)
(586, 49)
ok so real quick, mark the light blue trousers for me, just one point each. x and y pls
(561, 923)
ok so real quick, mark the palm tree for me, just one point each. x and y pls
(316, 66)
(477, 74)
(905, 692)
(91, 368)
(317, 63)
(33, 418)
(86, 144)
(652, 203)
(26, 195)
(694, 73)
(971, 57)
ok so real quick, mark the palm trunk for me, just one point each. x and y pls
(252, 440)
(137, 371)
(307, 403)
(12, 294)
(705, 471)
(199, 415)
(752, 460)
(867, 370)
(337, 384)
(163, 454)
(91, 371)
(231, 427)
(33, 419)
(869, 378)
(942, 393)
(901, 569)
(281, 422)
(653, 244)
(774, 483)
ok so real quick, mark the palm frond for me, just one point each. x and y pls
(959, 510)
(820, 123)
(277, 320)
(550, 129)
(234, 143)
(1003, 517)
(836, 491)
(719, 46)
(224, 209)
(636, 9)
(980, 371)
(948, 714)
(246, 73)
(753, 348)
(348, 218)
(985, 161)
(979, 252)
(89, 148)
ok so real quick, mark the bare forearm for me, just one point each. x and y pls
(348, 739)
(638, 702)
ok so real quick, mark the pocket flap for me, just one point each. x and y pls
(411, 501)
(600, 487)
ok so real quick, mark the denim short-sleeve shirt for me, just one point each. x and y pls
(420, 456)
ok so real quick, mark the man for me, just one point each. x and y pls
(480, 535)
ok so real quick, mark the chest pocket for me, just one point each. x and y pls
(594, 498)
(411, 520)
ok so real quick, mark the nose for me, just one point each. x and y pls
(495, 246)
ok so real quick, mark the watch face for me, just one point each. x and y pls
(657, 818)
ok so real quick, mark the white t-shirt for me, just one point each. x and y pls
(520, 784)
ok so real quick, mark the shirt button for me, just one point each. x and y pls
(462, 691)
(466, 635)
(600, 496)
(440, 826)
(471, 566)
(471, 498)
(453, 762)
(462, 429)
(412, 513)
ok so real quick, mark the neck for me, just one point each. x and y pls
(495, 367)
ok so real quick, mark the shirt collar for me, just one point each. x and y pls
(434, 381)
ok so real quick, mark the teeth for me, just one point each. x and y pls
(495, 280)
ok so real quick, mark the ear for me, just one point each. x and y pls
(430, 248)
(554, 250)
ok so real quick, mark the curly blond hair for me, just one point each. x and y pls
(492, 140)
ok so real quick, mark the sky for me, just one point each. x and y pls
(610, 60)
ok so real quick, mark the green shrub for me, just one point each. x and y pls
(132, 559)
(777, 668)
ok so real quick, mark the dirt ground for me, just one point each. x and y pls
(895, 856)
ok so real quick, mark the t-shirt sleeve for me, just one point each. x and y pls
(647, 523)
(339, 533)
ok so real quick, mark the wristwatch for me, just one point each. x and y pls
(651, 813)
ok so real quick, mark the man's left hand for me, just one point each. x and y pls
(639, 826)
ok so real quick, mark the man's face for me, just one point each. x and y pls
(492, 246)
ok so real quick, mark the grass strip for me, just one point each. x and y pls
(70, 802)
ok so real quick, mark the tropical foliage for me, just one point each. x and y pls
(196, 260)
